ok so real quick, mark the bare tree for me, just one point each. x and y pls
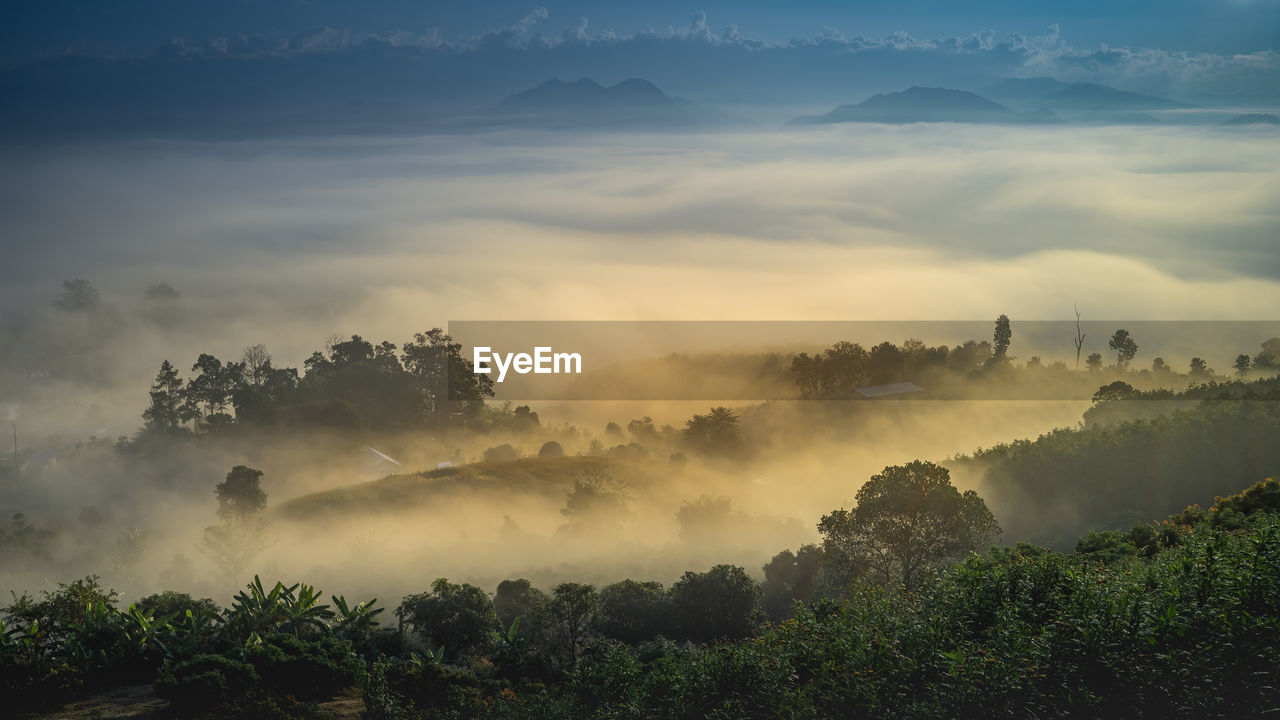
(256, 363)
(1079, 337)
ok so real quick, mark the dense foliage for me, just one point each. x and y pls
(1207, 441)
(1180, 619)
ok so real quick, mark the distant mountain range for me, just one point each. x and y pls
(923, 104)
(1090, 96)
(1034, 100)
(1254, 119)
(587, 103)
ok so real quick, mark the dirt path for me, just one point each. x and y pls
(138, 702)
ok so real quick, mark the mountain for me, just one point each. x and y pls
(1024, 89)
(586, 103)
(1254, 119)
(1094, 97)
(921, 104)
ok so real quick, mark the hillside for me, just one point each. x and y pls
(921, 104)
(551, 477)
(1254, 119)
(586, 103)
(1092, 96)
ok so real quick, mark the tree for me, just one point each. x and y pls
(1000, 342)
(551, 449)
(161, 291)
(1079, 339)
(1269, 356)
(716, 433)
(633, 611)
(1242, 364)
(242, 535)
(597, 499)
(706, 520)
(257, 365)
(723, 602)
(209, 392)
(165, 413)
(457, 618)
(1124, 347)
(446, 382)
(789, 578)
(1093, 362)
(241, 496)
(1199, 368)
(908, 519)
(77, 296)
(1118, 390)
(1159, 366)
(571, 612)
(517, 599)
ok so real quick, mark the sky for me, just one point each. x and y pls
(35, 28)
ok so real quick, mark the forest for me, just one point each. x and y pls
(1070, 575)
(1175, 619)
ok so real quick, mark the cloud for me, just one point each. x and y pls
(690, 56)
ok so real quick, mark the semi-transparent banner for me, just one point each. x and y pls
(860, 360)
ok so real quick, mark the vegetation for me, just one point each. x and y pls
(1180, 619)
(1141, 454)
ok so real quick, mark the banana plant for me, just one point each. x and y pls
(304, 609)
(257, 609)
(190, 632)
(146, 632)
(355, 622)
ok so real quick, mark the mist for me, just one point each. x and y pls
(293, 243)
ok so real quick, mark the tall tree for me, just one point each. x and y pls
(1079, 339)
(165, 412)
(456, 618)
(908, 519)
(1002, 337)
(240, 496)
(1124, 346)
(1242, 364)
(716, 433)
(77, 295)
(572, 611)
(447, 382)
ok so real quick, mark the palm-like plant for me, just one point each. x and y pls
(304, 610)
(355, 622)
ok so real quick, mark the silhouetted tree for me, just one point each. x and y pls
(517, 599)
(723, 602)
(241, 496)
(633, 611)
(1124, 347)
(458, 618)
(1093, 362)
(572, 611)
(789, 578)
(716, 433)
(551, 449)
(77, 295)
(160, 291)
(907, 519)
(1001, 339)
(1242, 364)
(166, 410)
(1199, 368)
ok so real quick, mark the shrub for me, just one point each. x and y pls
(304, 669)
(205, 681)
(501, 453)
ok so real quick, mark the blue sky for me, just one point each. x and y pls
(36, 27)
